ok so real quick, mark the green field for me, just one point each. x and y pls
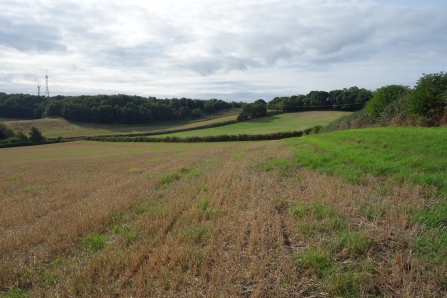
(55, 127)
(272, 124)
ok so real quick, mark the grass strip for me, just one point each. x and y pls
(415, 154)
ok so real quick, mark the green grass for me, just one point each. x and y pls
(414, 154)
(133, 171)
(272, 124)
(13, 177)
(169, 178)
(314, 261)
(95, 242)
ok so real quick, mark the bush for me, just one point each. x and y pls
(35, 135)
(429, 95)
(383, 97)
(308, 130)
(6, 132)
(20, 137)
(252, 111)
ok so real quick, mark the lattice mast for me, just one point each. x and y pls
(47, 92)
(38, 90)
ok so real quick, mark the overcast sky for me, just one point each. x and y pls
(232, 50)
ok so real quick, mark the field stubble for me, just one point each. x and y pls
(226, 220)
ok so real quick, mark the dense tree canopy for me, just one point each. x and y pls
(429, 96)
(107, 108)
(350, 99)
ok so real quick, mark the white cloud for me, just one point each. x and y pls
(187, 48)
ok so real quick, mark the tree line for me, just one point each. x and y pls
(351, 99)
(107, 108)
(129, 109)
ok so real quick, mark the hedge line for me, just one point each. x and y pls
(141, 134)
(28, 143)
(221, 138)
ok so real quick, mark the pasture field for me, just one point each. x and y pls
(242, 219)
(265, 125)
(55, 127)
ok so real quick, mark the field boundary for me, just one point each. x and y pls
(220, 138)
(141, 134)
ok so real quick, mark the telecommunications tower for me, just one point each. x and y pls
(47, 92)
(38, 90)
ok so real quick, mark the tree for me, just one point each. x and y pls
(428, 95)
(196, 113)
(383, 97)
(6, 132)
(258, 110)
(261, 101)
(35, 135)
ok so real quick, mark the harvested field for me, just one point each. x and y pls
(216, 219)
(55, 127)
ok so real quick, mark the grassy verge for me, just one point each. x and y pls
(398, 153)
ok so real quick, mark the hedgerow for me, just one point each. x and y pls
(220, 138)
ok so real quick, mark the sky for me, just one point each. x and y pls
(234, 50)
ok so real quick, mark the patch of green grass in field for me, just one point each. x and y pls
(276, 163)
(313, 261)
(432, 242)
(169, 178)
(401, 153)
(239, 156)
(95, 242)
(13, 177)
(432, 245)
(34, 187)
(272, 124)
(15, 293)
(133, 171)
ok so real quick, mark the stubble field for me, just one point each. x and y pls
(55, 127)
(204, 220)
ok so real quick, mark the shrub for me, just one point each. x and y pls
(383, 97)
(5, 132)
(35, 135)
(308, 130)
(20, 137)
(429, 95)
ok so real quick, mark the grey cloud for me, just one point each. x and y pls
(333, 33)
(135, 56)
(28, 37)
(290, 41)
(208, 66)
